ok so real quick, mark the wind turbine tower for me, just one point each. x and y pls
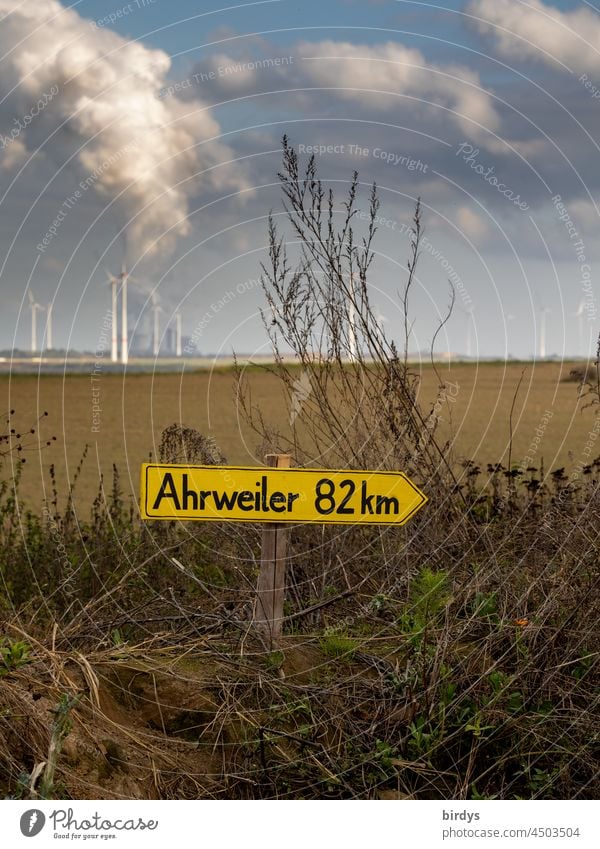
(124, 334)
(49, 344)
(381, 321)
(178, 334)
(34, 307)
(114, 331)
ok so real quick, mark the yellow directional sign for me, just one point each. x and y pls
(263, 494)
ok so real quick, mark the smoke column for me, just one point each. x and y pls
(126, 142)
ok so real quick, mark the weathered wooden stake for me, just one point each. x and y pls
(268, 610)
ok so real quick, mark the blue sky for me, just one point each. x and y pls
(171, 117)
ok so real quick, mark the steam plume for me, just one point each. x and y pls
(126, 142)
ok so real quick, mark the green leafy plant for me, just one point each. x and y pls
(274, 660)
(476, 727)
(384, 754)
(13, 655)
(514, 702)
(484, 604)
(539, 781)
(479, 797)
(422, 737)
(337, 645)
(60, 729)
(497, 681)
(429, 595)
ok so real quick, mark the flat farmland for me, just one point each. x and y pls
(134, 409)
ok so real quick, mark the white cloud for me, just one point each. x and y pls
(107, 113)
(539, 31)
(471, 224)
(385, 77)
(14, 154)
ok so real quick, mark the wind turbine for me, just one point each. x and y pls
(118, 284)
(469, 331)
(49, 326)
(156, 310)
(380, 319)
(114, 347)
(34, 307)
(124, 334)
(177, 334)
(352, 341)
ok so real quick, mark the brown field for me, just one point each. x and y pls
(452, 659)
(135, 409)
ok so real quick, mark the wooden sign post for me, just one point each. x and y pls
(276, 495)
(268, 609)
